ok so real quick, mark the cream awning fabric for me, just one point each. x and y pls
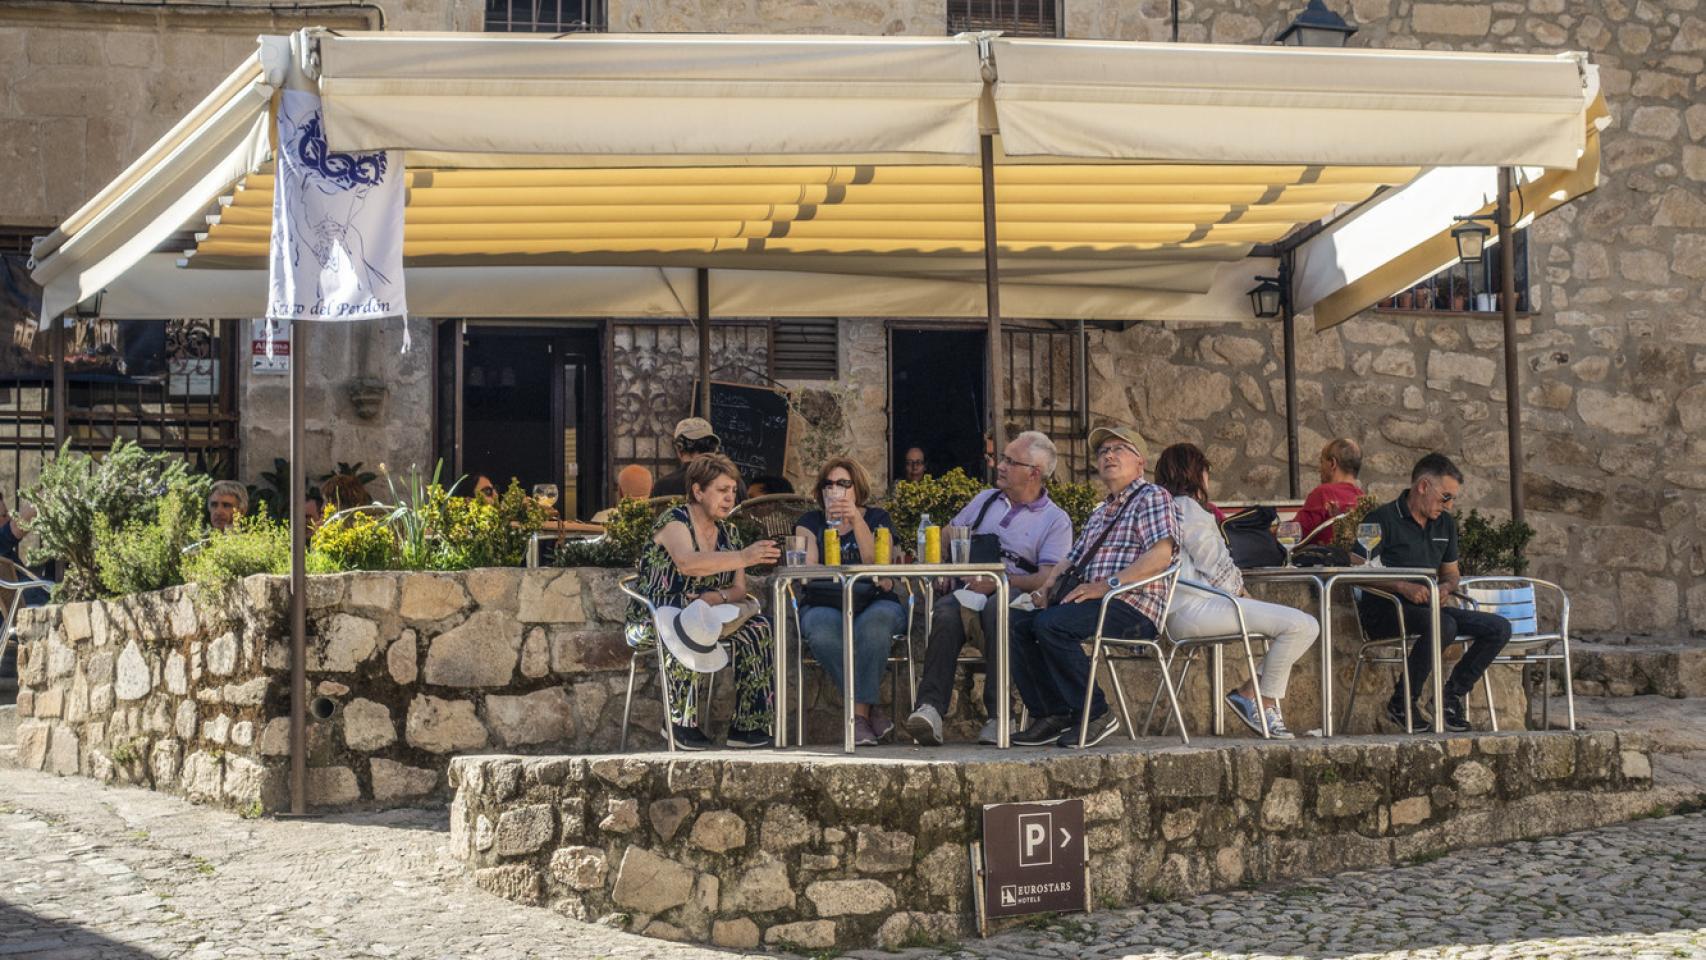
(801, 169)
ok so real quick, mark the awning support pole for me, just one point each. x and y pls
(1083, 364)
(703, 277)
(1288, 321)
(1507, 303)
(992, 290)
(298, 583)
(56, 338)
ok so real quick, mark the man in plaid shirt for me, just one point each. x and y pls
(1130, 537)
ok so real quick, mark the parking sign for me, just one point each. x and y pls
(1034, 857)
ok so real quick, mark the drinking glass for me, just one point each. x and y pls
(960, 550)
(794, 550)
(1289, 533)
(1368, 534)
(545, 494)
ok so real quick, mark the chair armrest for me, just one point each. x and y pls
(1171, 573)
(626, 585)
(1243, 628)
(1392, 598)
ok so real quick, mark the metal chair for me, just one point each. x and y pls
(14, 580)
(799, 651)
(774, 513)
(1514, 598)
(1193, 647)
(1380, 650)
(1103, 648)
(626, 585)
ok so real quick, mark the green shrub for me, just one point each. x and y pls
(467, 532)
(352, 540)
(147, 554)
(592, 553)
(125, 483)
(1079, 500)
(255, 544)
(941, 497)
(626, 534)
(1486, 548)
(1345, 528)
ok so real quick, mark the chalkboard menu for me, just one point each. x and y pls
(752, 422)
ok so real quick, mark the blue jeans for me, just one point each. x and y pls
(1049, 664)
(874, 629)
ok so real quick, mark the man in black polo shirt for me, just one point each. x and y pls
(1418, 530)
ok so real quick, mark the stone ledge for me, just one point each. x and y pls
(850, 852)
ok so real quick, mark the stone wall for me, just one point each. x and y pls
(813, 855)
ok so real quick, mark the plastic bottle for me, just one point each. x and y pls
(923, 525)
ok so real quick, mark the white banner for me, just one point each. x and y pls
(337, 224)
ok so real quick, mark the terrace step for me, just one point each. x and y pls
(8, 724)
(1675, 671)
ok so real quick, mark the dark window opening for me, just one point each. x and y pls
(808, 349)
(545, 16)
(1015, 18)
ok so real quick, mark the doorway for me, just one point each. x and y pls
(937, 397)
(525, 403)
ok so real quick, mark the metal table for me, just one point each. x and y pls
(1325, 579)
(847, 576)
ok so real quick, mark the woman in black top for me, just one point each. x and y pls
(843, 489)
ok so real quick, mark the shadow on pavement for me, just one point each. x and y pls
(27, 936)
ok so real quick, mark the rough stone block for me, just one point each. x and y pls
(1411, 811)
(32, 744)
(1346, 799)
(400, 658)
(1473, 778)
(515, 881)
(840, 898)
(718, 831)
(393, 780)
(1282, 808)
(332, 786)
(222, 655)
(580, 650)
(760, 888)
(667, 815)
(443, 726)
(135, 679)
(346, 641)
(431, 597)
(909, 927)
(1196, 774)
(63, 752)
(367, 725)
(526, 829)
(551, 596)
(164, 760)
(481, 652)
(741, 934)
(583, 868)
(648, 883)
(622, 816)
(1636, 765)
(373, 591)
(202, 776)
(807, 934)
(785, 828)
(544, 716)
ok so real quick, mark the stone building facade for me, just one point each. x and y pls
(1613, 354)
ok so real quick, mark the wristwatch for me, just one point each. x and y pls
(1113, 582)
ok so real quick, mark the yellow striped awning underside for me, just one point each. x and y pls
(1066, 217)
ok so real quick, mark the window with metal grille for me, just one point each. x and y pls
(545, 16)
(1015, 18)
(808, 349)
(1467, 287)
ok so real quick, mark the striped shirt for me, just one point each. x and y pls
(1148, 521)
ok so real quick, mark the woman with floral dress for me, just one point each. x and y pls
(696, 554)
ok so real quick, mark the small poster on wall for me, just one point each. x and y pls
(279, 362)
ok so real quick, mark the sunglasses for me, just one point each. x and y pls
(843, 484)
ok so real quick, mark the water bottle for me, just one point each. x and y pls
(923, 526)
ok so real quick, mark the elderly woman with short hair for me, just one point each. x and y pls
(696, 554)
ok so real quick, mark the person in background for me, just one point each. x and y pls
(1035, 534)
(1183, 471)
(843, 489)
(226, 501)
(633, 482)
(1418, 530)
(14, 527)
(695, 554)
(913, 464)
(1341, 462)
(313, 510)
(693, 439)
(343, 491)
(1129, 537)
(768, 485)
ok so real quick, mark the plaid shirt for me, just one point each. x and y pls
(1149, 521)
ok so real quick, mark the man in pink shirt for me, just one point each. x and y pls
(1341, 462)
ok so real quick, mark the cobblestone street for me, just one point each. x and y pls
(98, 872)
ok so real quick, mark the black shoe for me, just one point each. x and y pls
(751, 739)
(691, 738)
(1042, 732)
(1101, 728)
(1456, 714)
(1395, 714)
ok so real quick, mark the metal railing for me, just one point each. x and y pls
(1015, 18)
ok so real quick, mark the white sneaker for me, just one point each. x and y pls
(925, 725)
(989, 734)
(1276, 726)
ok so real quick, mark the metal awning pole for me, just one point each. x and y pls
(1288, 320)
(704, 282)
(1507, 303)
(992, 290)
(56, 343)
(298, 583)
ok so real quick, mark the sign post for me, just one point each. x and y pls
(1034, 860)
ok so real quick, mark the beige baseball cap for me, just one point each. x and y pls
(1106, 432)
(693, 428)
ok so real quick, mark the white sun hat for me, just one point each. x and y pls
(690, 635)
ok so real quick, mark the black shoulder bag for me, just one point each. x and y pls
(1250, 538)
(1073, 578)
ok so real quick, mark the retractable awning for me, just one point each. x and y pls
(1134, 181)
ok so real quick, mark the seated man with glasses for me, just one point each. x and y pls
(1035, 534)
(1418, 530)
(1131, 536)
(693, 439)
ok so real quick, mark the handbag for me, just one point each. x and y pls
(827, 593)
(1321, 555)
(1073, 578)
(1250, 538)
(985, 547)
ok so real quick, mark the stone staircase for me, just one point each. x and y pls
(1657, 689)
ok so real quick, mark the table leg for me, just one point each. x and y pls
(1439, 643)
(1326, 641)
(779, 642)
(1003, 669)
(847, 662)
(1217, 687)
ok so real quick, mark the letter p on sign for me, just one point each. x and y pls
(1034, 847)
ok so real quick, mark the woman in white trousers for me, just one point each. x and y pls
(1183, 471)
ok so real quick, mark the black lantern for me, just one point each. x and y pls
(1471, 237)
(1265, 298)
(1316, 26)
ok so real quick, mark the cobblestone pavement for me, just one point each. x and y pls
(96, 872)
